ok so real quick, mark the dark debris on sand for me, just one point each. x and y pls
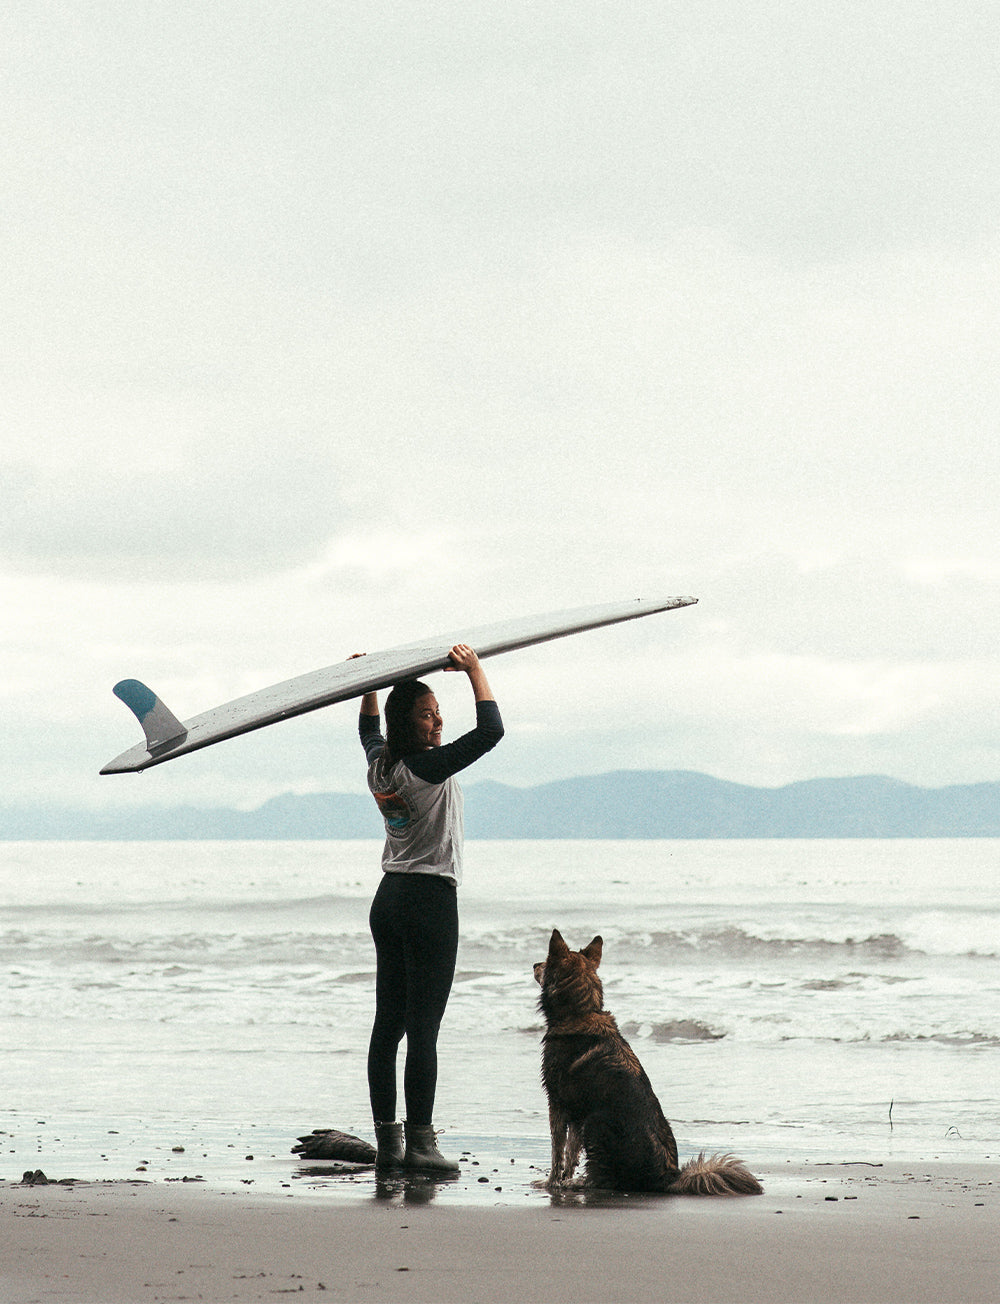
(328, 1143)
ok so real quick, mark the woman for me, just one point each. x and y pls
(414, 916)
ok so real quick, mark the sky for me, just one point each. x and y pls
(331, 325)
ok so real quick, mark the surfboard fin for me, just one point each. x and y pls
(159, 723)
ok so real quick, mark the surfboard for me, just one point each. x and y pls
(166, 737)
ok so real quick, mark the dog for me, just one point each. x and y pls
(600, 1099)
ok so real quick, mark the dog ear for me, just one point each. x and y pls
(557, 947)
(594, 951)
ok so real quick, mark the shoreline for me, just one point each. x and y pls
(822, 1233)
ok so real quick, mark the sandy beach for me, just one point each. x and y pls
(837, 1233)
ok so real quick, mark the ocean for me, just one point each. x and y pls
(175, 1008)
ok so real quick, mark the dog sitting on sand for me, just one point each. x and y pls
(600, 1100)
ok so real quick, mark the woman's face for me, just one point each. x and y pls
(426, 721)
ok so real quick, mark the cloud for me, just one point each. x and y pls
(332, 326)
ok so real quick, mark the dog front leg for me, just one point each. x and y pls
(572, 1146)
(558, 1130)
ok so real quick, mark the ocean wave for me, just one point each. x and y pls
(672, 1030)
(198, 907)
(677, 946)
(959, 1039)
(736, 943)
(854, 979)
(222, 950)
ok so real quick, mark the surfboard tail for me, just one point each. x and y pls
(159, 723)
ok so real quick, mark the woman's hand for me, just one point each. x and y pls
(463, 658)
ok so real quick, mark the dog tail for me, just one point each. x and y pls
(716, 1175)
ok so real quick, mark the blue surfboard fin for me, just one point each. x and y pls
(159, 723)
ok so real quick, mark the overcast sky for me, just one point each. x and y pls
(331, 325)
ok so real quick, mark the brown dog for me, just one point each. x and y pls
(600, 1100)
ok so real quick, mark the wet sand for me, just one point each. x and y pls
(833, 1232)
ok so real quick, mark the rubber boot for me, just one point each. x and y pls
(389, 1151)
(422, 1151)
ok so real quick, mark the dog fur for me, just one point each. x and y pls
(600, 1099)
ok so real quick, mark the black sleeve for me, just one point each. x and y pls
(370, 731)
(441, 763)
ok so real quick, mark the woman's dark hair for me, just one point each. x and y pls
(400, 736)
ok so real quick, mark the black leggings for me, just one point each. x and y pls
(414, 921)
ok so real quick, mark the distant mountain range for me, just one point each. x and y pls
(625, 804)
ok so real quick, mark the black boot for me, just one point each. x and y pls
(389, 1142)
(422, 1151)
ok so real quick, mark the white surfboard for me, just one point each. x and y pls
(167, 737)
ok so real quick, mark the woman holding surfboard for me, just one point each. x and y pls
(414, 916)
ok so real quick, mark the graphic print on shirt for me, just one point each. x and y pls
(395, 810)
